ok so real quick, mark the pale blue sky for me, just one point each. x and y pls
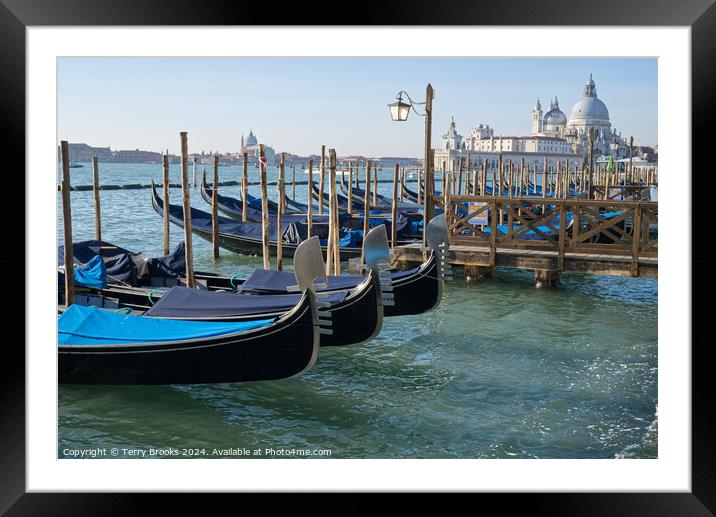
(297, 104)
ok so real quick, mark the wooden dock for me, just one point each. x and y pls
(605, 237)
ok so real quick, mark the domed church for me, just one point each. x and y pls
(588, 112)
(250, 146)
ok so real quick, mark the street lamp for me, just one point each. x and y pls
(399, 111)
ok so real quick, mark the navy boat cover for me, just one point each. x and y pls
(171, 266)
(84, 251)
(81, 325)
(262, 280)
(184, 302)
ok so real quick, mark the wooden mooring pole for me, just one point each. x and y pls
(165, 167)
(366, 207)
(591, 163)
(245, 187)
(95, 188)
(375, 184)
(350, 187)
(309, 215)
(631, 156)
(394, 209)
(264, 209)
(322, 173)
(67, 225)
(334, 216)
(215, 211)
(279, 216)
(293, 181)
(186, 204)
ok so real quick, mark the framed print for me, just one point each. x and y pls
(483, 310)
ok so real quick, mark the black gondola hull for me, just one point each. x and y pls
(245, 245)
(418, 293)
(285, 349)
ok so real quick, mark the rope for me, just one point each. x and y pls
(231, 282)
(149, 295)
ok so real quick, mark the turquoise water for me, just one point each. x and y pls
(499, 370)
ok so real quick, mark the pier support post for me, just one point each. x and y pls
(545, 279)
(476, 273)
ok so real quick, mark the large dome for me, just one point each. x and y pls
(589, 108)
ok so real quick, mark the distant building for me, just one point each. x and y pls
(250, 146)
(555, 136)
(84, 153)
(587, 113)
(403, 162)
(482, 145)
(137, 156)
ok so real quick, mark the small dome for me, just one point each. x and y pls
(554, 117)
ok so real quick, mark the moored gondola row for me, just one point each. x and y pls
(126, 319)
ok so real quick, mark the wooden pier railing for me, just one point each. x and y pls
(566, 229)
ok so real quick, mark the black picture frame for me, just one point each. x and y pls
(700, 15)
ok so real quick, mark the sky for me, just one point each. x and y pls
(297, 104)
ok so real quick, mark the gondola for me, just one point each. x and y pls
(384, 203)
(414, 291)
(352, 316)
(96, 346)
(233, 208)
(245, 238)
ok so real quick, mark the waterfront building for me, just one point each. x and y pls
(589, 112)
(83, 153)
(554, 136)
(481, 144)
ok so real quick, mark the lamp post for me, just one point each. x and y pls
(399, 112)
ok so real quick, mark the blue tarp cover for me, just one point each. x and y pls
(80, 325)
(92, 274)
(184, 302)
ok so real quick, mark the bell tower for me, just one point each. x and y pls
(537, 118)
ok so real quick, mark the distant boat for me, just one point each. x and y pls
(75, 165)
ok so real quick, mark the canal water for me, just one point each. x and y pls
(499, 370)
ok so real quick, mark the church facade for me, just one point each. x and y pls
(554, 137)
(250, 146)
